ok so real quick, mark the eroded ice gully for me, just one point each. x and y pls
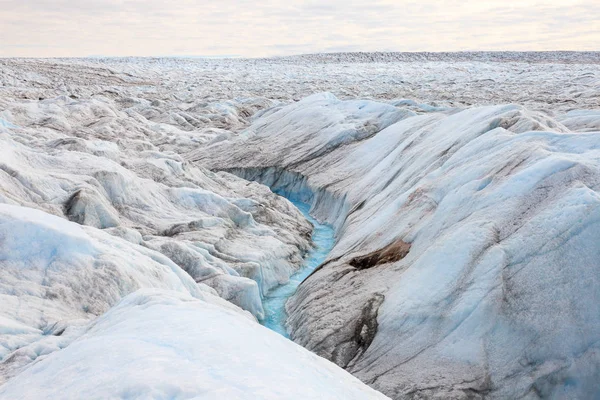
(309, 203)
(115, 251)
(464, 238)
(274, 302)
(465, 262)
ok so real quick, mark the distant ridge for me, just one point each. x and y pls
(561, 57)
(548, 57)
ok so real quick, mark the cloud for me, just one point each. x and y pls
(278, 27)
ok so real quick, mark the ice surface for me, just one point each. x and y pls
(97, 202)
(258, 243)
(498, 294)
(462, 189)
(54, 271)
(5, 124)
(160, 344)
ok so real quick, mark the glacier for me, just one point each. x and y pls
(465, 263)
(145, 230)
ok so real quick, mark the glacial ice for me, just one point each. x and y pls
(54, 271)
(94, 183)
(5, 124)
(162, 344)
(462, 189)
(498, 294)
(104, 205)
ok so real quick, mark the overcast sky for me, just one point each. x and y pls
(63, 28)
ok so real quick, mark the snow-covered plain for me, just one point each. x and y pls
(465, 262)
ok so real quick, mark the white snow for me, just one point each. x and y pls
(157, 344)
(54, 271)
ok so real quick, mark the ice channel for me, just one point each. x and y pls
(274, 302)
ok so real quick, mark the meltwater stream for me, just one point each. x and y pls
(274, 301)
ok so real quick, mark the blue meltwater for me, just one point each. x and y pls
(274, 301)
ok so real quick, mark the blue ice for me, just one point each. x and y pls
(274, 301)
(5, 124)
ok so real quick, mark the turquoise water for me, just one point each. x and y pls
(274, 301)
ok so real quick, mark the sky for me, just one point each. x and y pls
(78, 28)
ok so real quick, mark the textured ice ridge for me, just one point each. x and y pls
(439, 284)
(466, 263)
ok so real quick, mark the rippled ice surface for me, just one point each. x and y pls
(274, 301)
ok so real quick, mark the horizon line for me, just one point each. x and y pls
(239, 56)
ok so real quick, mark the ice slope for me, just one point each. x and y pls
(162, 344)
(582, 120)
(466, 262)
(55, 275)
(110, 162)
(238, 238)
